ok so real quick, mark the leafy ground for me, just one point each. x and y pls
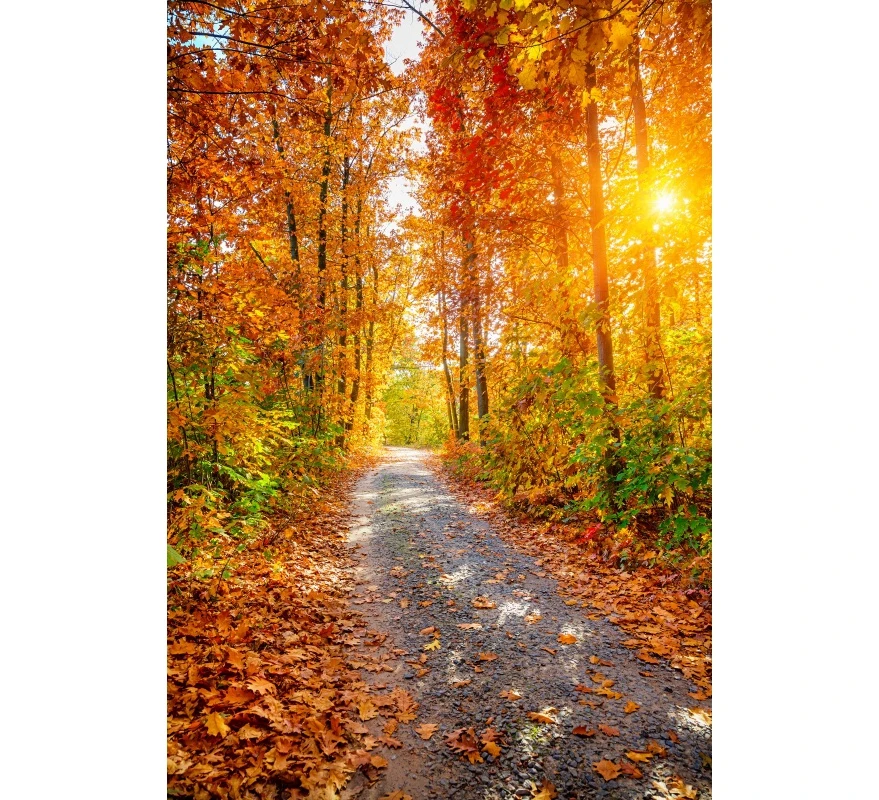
(459, 653)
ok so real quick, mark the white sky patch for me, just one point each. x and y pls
(403, 45)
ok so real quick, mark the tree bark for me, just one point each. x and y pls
(321, 220)
(464, 388)
(451, 408)
(597, 222)
(652, 351)
(358, 307)
(473, 292)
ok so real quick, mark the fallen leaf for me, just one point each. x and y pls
(542, 718)
(462, 684)
(487, 656)
(261, 685)
(703, 715)
(511, 694)
(630, 770)
(217, 725)
(425, 603)
(470, 626)
(249, 732)
(492, 749)
(673, 736)
(465, 743)
(532, 619)
(433, 645)
(581, 730)
(404, 604)
(597, 660)
(655, 747)
(235, 658)
(426, 631)
(607, 769)
(631, 706)
(426, 730)
(378, 762)
(566, 638)
(608, 730)
(483, 602)
(549, 650)
(547, 792)
(633, 755)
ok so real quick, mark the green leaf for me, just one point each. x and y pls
(174, 558)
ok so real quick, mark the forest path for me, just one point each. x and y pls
(424, 559)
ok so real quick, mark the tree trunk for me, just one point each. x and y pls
(450, 390)
(358, 306)
(463, 357)
(597, 223)
(321, 223)
(473, 295)
(652, 351)
(343, 282)
(370, 340)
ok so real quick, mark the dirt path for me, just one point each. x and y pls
(425, 561)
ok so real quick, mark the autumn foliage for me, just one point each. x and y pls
(565, 248)
(545, 312)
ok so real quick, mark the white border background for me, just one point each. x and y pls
(83, 421)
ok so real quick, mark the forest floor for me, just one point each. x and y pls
(404, 638)
(521, 686)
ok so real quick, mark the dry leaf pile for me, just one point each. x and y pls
(264, 692)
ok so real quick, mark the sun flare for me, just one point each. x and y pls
(664, 202)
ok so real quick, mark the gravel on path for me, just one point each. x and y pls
(425, 561)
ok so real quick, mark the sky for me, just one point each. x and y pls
(403, 44)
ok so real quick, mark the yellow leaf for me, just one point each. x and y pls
(576, 75)
(620, 35)
(434, 645)
(217, 725)
(547, 792)
(492, 748)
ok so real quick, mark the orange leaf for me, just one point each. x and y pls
(217, 725)
(608, 730)
(566, 638)
(487, 656)
(581, 730)
(492, 749)
(607, 769)
(426, 730)
(631, 706)
(542, 718)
